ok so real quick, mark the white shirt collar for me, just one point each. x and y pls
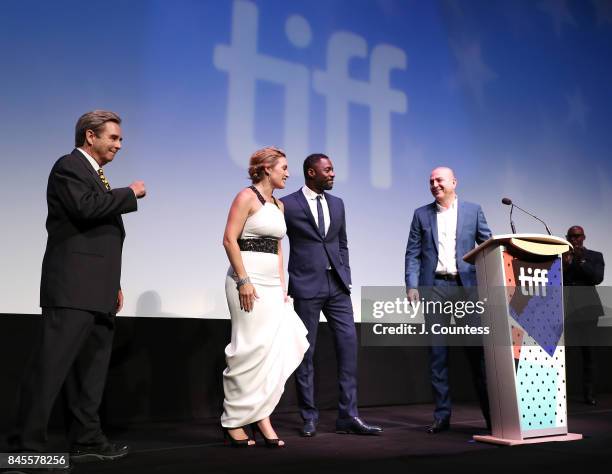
(310, 194)
(93, 162)
(453, 206)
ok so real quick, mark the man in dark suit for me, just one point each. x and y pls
(582, 270)
(320, 281)
(80, 292)
(440, 234)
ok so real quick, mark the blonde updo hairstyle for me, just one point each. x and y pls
(262, 159)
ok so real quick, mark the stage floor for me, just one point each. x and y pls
(183, 448)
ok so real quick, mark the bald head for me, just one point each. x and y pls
(444, 170)
(575, 236)
(442, 184)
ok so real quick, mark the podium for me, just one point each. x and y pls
(520, 278)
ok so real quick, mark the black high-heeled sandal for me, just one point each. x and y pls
(228, 439)
(270, 442)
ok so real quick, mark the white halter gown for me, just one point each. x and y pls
(268, 343)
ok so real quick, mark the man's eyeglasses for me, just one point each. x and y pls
(575, 236)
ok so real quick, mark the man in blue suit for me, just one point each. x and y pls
(320, 281)
(440, 234)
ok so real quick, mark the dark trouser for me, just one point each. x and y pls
(338, 310)
(73, 349)
(588, 371)
(447, 290)
(588, 367)
(579, 338)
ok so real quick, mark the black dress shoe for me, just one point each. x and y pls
(437, 426)
(309, 429)
(356, 425)
(590, 400)
(105, 452)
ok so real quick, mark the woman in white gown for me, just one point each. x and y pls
(268, 338)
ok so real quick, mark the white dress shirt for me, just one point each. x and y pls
(93, 162)
(447, 238)
(311, 199)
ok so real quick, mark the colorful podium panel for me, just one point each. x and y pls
(535, 306)
(520, 277)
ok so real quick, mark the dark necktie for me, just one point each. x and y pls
(104, 180)
(321, 221)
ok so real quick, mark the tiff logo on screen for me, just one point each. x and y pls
(531, 284)
(245, 66)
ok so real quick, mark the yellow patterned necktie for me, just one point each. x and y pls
(104, 180)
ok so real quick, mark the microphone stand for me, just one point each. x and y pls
(535, 217)
(508, 202)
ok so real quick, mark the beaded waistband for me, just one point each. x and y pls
(265, 245)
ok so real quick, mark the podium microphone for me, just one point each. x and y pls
(508, 202)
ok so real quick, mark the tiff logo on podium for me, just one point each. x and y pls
(533, 281)
(245, 66)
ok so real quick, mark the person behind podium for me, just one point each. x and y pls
(440, 234)
(582, 270)
(80, 293)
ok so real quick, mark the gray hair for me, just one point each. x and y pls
(93, 121)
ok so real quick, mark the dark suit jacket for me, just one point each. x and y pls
(307, 257)
(582, 303)
(422, 249)
(82, 264)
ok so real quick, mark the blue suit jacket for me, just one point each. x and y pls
(307, 257)
(422, 248)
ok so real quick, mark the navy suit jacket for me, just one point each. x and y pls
(582, 302)
(422, 248)
(310, 253)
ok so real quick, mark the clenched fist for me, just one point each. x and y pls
(139, 189)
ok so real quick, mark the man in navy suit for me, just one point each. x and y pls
(320, 280)
(440, 234)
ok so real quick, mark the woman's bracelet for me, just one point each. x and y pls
(242, 281)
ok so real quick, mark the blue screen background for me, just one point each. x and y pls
(514, 95)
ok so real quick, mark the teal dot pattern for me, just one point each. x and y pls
(540, 389)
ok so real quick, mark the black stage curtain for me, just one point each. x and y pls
(169, 369)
